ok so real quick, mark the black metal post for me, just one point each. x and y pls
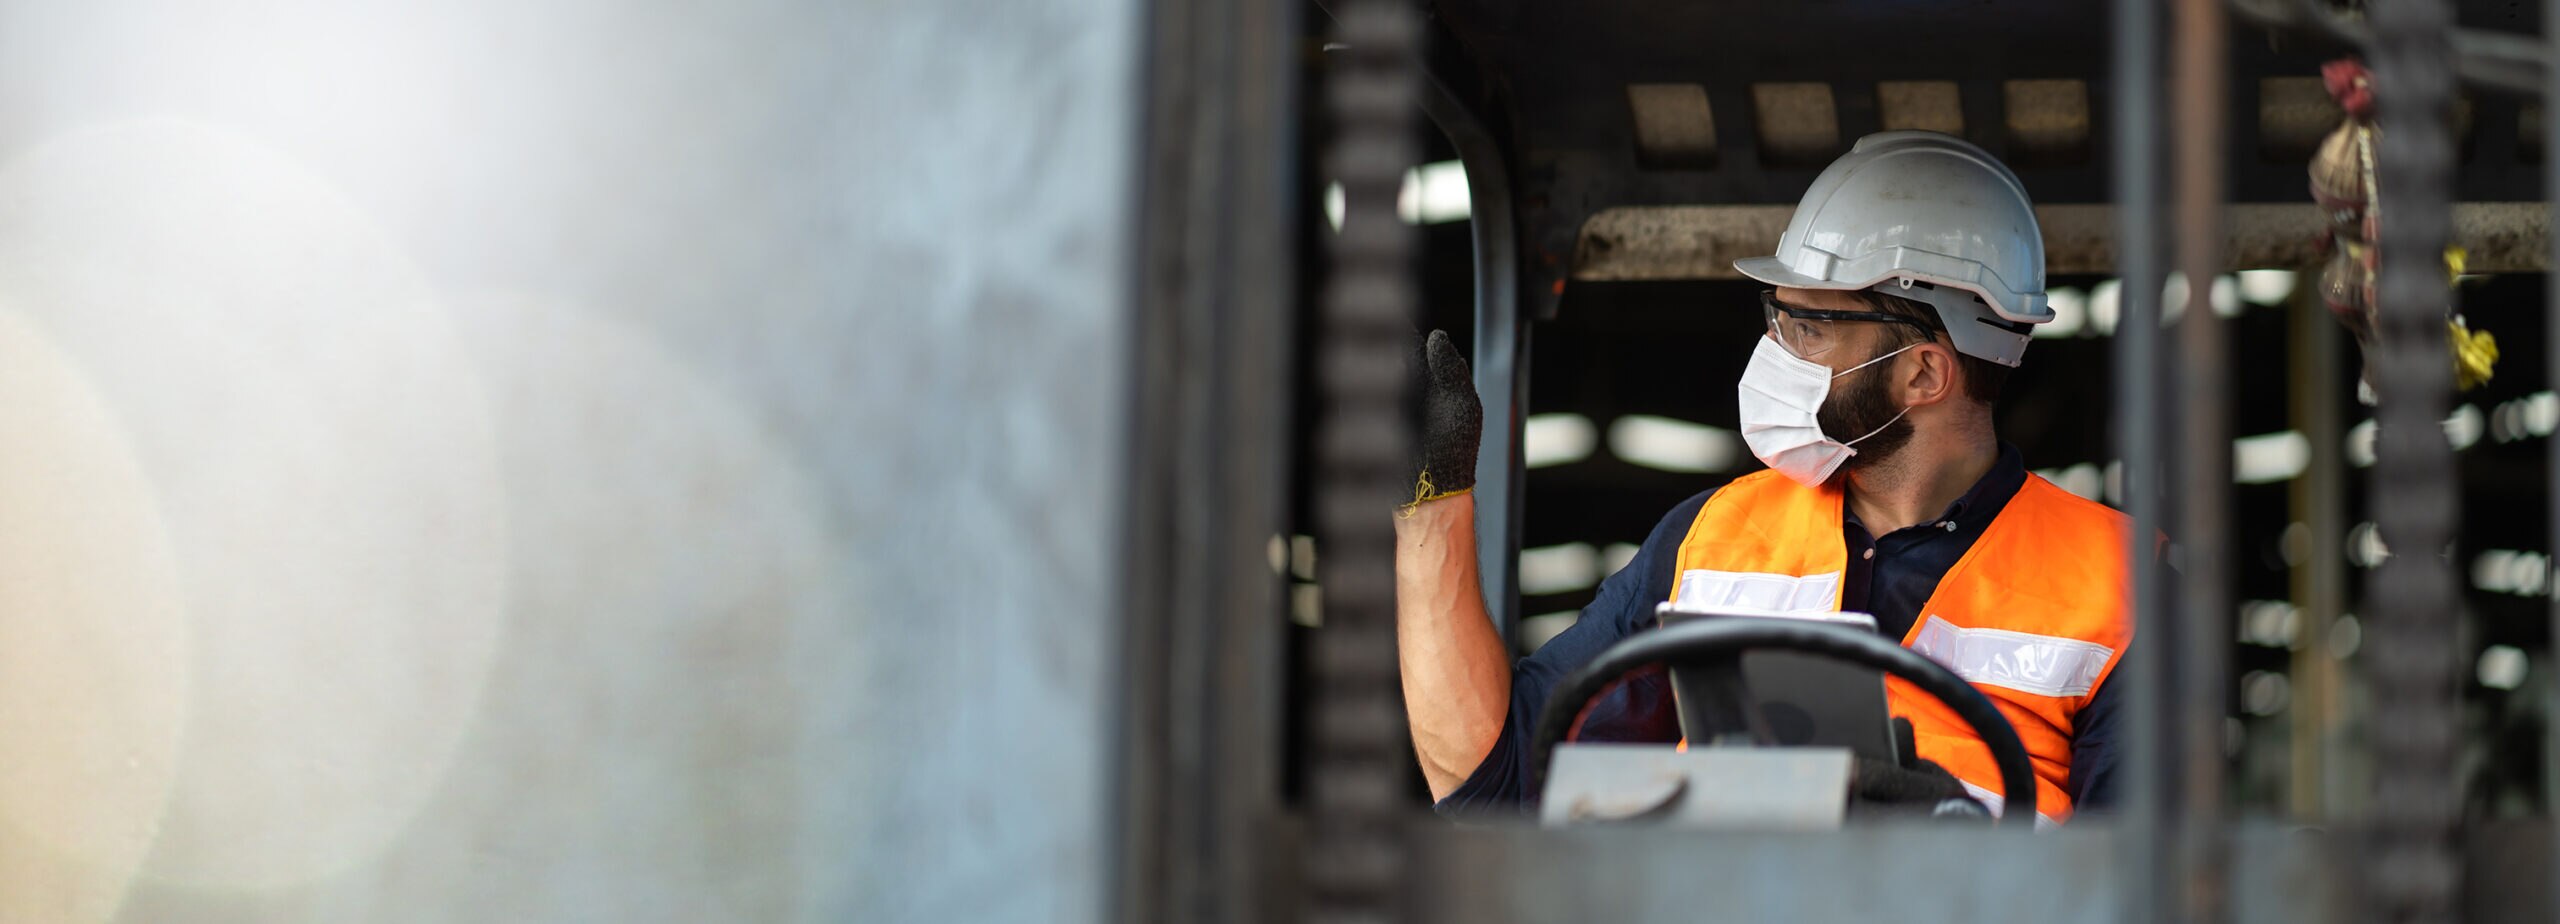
(1501, 360)
(1200, 680)
(2135, 130)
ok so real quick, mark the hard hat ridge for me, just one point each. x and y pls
(1925, 216)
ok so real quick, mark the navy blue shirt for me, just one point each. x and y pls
(1890, 576)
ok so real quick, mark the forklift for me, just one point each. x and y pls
(1617, 151)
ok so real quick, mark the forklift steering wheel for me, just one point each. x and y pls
(1716, 646)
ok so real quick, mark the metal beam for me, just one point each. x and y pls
(1914, 872)
(1681, 242)
(2505, 61)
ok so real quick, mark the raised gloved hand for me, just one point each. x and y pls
(1451, 420)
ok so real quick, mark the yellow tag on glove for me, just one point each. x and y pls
(1422, 493)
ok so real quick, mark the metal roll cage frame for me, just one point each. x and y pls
(2175, 853)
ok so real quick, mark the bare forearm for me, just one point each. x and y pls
(1457, 674)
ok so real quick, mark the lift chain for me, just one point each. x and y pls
(2413, 602)
(1354, 856)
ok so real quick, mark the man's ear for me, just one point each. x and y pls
(1934, 375)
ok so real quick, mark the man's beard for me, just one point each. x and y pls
(1860, 409)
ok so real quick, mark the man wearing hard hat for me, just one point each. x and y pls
(1904, 289)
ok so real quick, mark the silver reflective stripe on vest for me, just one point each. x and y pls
(1785, 593)
(2042, 664)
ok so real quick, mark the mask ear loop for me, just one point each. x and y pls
(1875, 431)
(1881, 427)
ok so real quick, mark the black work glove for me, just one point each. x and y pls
(1913, 787)
(1924, 788)
(1880, 781)
(1450, 417)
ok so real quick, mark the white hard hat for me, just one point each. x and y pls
(1930, 218)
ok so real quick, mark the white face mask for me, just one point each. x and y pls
(1781, 399)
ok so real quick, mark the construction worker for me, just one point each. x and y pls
(1903, 290)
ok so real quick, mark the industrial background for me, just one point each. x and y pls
(1630, 406)
(929, 461)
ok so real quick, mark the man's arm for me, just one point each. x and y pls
(2097, 745)
(1469, 706)
(1494, 770)
(1457, 673)
(2100, 733)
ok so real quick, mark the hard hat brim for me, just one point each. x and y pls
(2000, 346)
(1770, 270)
(1775, 272)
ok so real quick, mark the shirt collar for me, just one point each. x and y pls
(1974, 509)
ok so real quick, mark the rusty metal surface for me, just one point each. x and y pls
(2046, 117)
(1923, 105)
(1674, 124)
(1798, 123)
(1702, 241)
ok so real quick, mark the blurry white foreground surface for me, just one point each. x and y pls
(559, 462)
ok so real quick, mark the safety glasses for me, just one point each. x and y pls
(1811, 332)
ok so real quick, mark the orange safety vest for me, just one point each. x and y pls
(2034, 614)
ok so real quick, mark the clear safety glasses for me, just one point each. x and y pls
(1811, 332)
